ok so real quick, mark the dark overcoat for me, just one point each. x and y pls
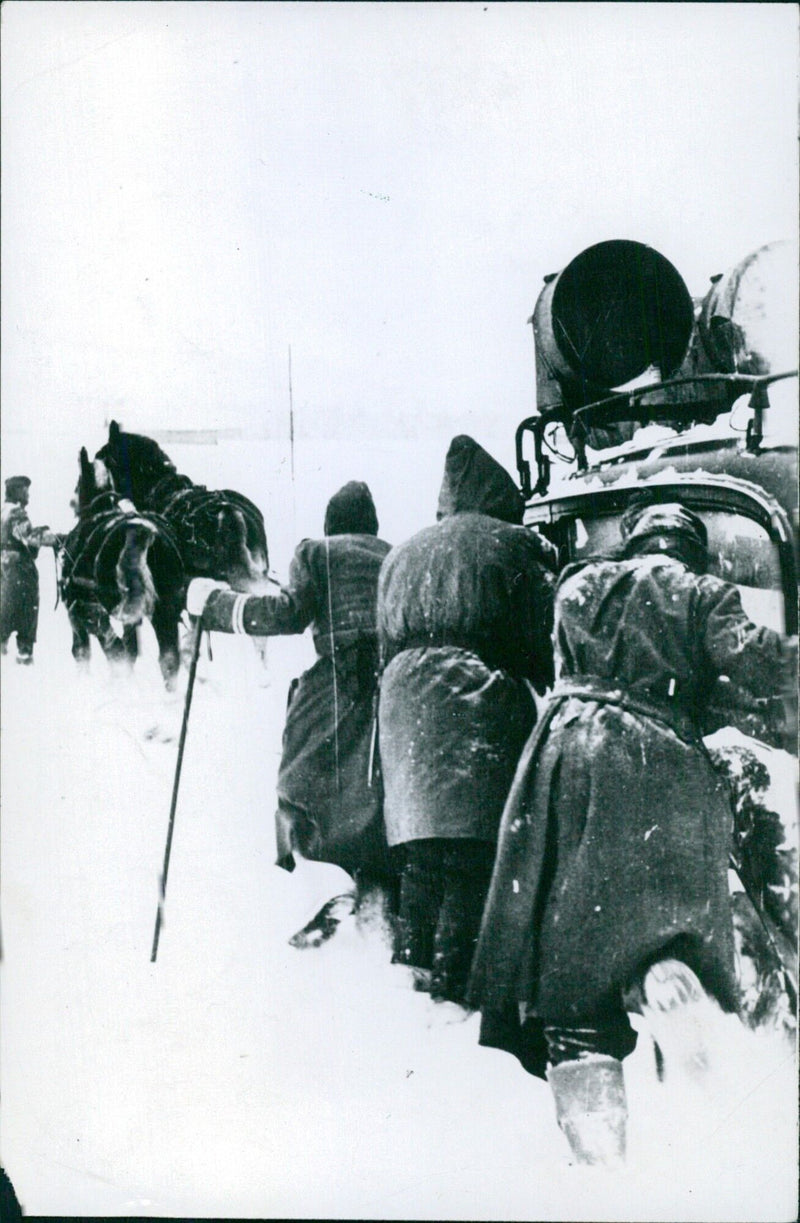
(19, 577)
(464, 621)
(614, 842)
(329, 793)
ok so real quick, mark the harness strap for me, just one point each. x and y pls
(185, 504)
(179, 482)
(58, 579)
(174, 498)
(104, 520)
(105, 523)
(192, 512)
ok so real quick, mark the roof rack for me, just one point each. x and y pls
(627, 405)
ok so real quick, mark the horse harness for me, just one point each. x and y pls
(190, 507)
(84, 547)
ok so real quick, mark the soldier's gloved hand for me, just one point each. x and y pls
(198, 593)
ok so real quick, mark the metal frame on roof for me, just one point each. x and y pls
(627, 405)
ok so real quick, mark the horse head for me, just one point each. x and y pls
(94, 479)
(136, 463)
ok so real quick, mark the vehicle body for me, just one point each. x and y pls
(718, 434)
(712, 422)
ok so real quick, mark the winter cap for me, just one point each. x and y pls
(475, 482)
(671, 518)
(351, 511)
(16, 485)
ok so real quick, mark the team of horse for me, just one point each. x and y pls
(220, 534)
(143, 531)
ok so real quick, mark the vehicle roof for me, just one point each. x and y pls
(682, 458)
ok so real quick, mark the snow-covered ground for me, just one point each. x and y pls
(237, 1076)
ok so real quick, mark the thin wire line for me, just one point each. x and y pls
(333, 664)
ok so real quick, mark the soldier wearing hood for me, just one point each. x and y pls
(610, 888)
(19, 587)
(464, 622)
(329, 796)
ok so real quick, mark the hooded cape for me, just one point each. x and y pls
(475, 482)
(464, 618)
(329, 794)
(613, 848)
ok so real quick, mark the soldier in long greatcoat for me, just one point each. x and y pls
(19, 581)
(610, 890)
(464, 621)
(329, 792)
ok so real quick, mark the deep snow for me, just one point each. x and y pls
(237, 1076)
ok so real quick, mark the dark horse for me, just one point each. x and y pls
(120, 566)
(220, 534)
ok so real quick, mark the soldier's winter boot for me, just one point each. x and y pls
(591, 1108)
(325, 923)
(680, 1015)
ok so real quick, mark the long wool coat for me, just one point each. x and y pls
(329, 791)
(464, 620)
(614, 841)
(19, 577)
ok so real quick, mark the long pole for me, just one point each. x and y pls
(291, 418)
(173, 805)
(291, 439)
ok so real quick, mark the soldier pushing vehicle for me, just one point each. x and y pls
(610, 889)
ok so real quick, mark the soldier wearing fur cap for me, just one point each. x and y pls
(19, 578)
(610, 888)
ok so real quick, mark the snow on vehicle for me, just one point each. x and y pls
(641, 387)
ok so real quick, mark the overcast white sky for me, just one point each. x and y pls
(191, 188)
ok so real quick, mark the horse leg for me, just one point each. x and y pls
(81, 641)
(186, 643)
(165, 627)
(260, 646)
(113, 646)
(130, 643)
(134, 578)
(258, 583)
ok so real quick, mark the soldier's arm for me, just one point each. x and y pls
(257, 615)
(23, 532)
(538, 621)
(43, 537)
(758, 658)
(289, 611)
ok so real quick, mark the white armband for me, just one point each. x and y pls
(237, 613)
